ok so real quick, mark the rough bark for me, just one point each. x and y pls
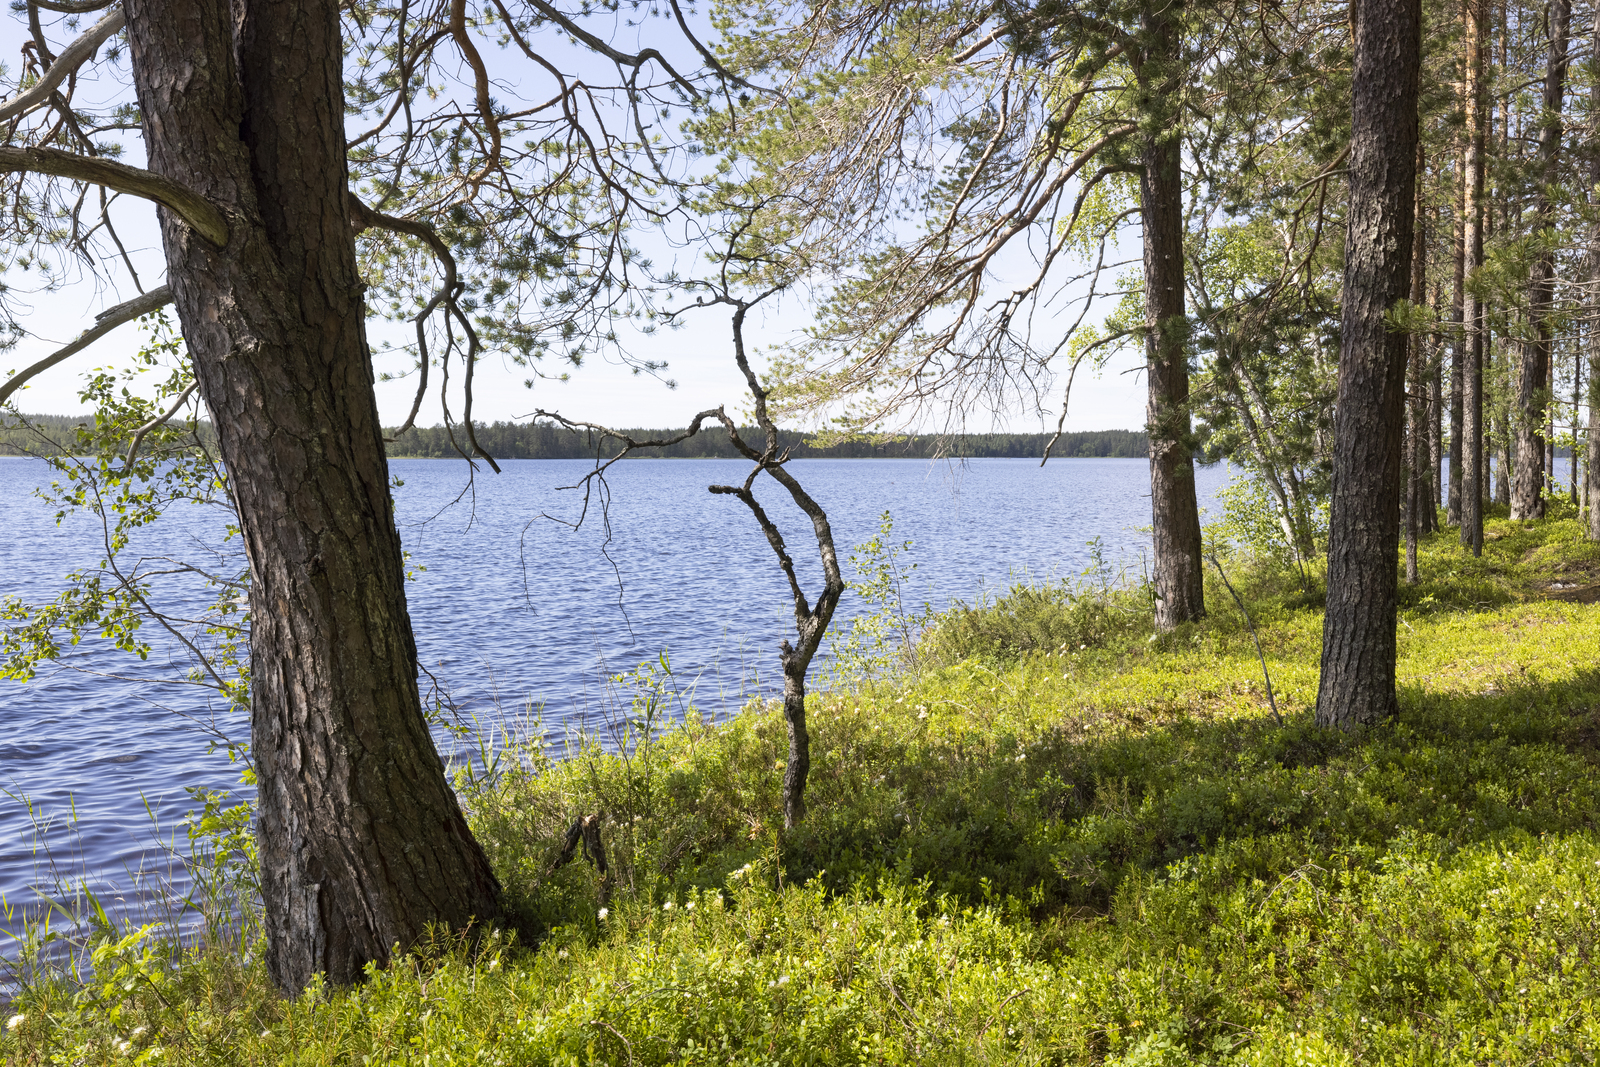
(1533, 371)
(362, 841)
(1472, 453)
(1357, 684)
(1179, 574)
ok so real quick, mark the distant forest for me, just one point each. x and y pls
(543, 440)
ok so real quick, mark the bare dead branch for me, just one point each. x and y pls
(72, 57)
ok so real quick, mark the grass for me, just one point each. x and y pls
(1063, 841)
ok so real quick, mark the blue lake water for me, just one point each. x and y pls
(514, 607)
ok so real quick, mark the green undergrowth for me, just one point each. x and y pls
(1060, 839)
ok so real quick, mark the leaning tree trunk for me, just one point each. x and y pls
(1358, 638)
(1174, 509)
(1533, 378)
(363, 844)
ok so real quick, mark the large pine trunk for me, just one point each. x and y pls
(363, 844)
(1174, 510)
(1357, 685)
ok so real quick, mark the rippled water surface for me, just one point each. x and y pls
(514, 605)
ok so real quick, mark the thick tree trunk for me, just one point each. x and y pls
(1472, 451)
(1533, 377)
(1357, 684)
(1175, 511)
(363, 844)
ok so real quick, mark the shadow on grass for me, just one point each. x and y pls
(1057, 821)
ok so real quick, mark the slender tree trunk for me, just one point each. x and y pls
(362, 841)
(1577, 398)
(1417, 435)
(1175, 511)
(1592, 471)
(1435, 418)
(1460, 344)
(1504, 462)
(797, 769)
(1533, 371)
(1357, 684)
(1472, 453)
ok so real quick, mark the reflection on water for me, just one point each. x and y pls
(514, 606)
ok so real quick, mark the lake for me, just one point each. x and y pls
(514, 609)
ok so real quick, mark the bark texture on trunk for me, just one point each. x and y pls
(363, 843)
(1357, 684)
(797, 769)
(1472, 452)
(1175, 512)
(1533, 377)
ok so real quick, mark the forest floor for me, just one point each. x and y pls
(1051, 837)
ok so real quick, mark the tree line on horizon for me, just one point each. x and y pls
(55, 435)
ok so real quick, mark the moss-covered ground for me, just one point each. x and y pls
(1059, 839)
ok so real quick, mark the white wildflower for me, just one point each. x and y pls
(922, 714)
(668, 906)
(15, 1021)
(603, 913)
(783, 979)
(689, 906)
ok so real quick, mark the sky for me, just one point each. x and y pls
(604, 390)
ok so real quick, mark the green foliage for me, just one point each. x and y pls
(1252, 524)
(1100, 855)
(888, 639)
(102, 476)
